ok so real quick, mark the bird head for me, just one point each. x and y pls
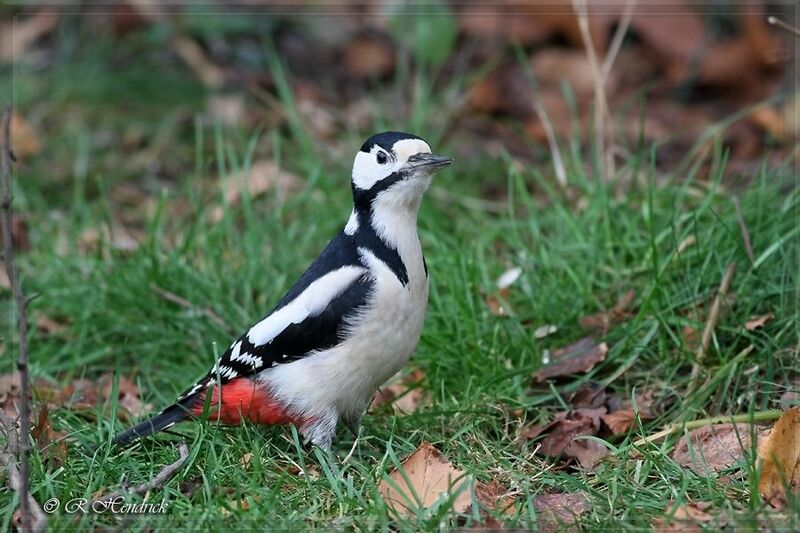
(394, 168)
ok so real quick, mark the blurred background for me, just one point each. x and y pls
(118, 88)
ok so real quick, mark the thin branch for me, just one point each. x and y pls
(748, 246)
(761, 416)
(157, 482)
(28, 521)
(711, 323)
(14, 478)
(775, 21)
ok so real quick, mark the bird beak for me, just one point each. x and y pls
(429, 161)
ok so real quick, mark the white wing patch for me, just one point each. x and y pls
(311, 302)
(226, 372)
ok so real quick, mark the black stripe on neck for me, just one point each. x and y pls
(367, 237)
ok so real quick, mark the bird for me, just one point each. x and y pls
(351, 321)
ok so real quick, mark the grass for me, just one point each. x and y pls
(579, 249)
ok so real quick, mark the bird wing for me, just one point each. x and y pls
(310, 317)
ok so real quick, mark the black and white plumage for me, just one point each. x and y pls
(350, 322)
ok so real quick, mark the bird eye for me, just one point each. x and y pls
(381, 158)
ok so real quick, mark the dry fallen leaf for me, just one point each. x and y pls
(87, 395)
(128, 395)
(405, 394)
(264, 176)
(555, 511)
(10, 389)
(25, 141)
(47, 325)
(603, 320)
(713, 448)
(755, 322)
(580, 356)
(52, 444)
(494, 496)
(780, 453)
(559, 436)
(245, 460)
(428, 476)
(683, 517)
(5, 283)
(620, 421)
(369, 57)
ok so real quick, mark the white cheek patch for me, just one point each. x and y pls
(408, 147)
(367, 171)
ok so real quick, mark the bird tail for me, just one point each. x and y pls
(171, 415)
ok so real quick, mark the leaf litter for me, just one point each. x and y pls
(780, 456)
(404, 393)
(424, 479)
(580, 356)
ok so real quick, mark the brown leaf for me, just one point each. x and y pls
(405, 394)
(603, 320)
(684, 516)
(47, 325)
(25, 141)
(5, 283)
(559, 436)
(10, 389)
(498, 303)
(780, 453)
(555, 511)
(589, 394)
(714, 448)
(264, 176)
(621, 420)
(128, 395)
(19, 234)
(245, 460)
(759, 321)
(658, 32)
(87, 395)
(580, 356)
(369, 57)
(494, 496)
(534, 22)
(52, 444)
(429, 476)
(587, 452)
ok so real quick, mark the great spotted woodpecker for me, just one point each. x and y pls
(350, 322)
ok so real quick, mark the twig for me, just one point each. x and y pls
(602, 133)
(619, 36)
(775, 21)
(711, 323)
(28, 520)
(183, 302)
(748, 246)
(761, 416)
(550, 133)
(14, 477)
(157, 482)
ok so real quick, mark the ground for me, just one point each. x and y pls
(129, 203)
